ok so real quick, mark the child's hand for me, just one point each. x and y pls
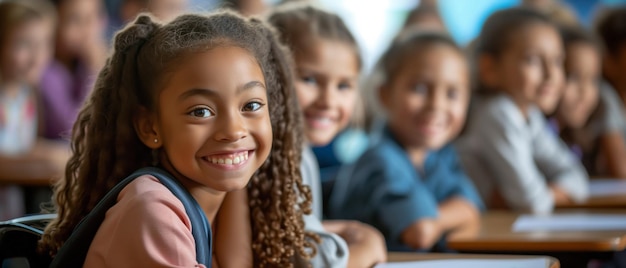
(422, 234)
(560, 196)
(365, 243)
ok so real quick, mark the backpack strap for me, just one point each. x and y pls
(74, 250)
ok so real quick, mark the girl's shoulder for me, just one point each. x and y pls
(146, 187)
(147, 227)
(499, 110)
(146, 196)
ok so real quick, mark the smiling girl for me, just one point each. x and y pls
(409, 184)
(507, 148)
(209, 99)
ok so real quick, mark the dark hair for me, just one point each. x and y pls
(106, 147)
(571, 35)
(409, 42)
(611, 27)
(497, 30)
(300, 23)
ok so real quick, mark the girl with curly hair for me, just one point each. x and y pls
(209, 99)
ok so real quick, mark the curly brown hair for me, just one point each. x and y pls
(106, 147)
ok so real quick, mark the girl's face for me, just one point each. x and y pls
(213, 122)
(81, 24)
(427, 99)
(530, 69)
(581, 94)
(27, 50)
(326, 83)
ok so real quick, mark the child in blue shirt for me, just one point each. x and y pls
(410, 184)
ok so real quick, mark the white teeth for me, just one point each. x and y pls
(230, 160)
(322, 119)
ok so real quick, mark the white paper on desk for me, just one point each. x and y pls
(570, 222)
(607, 187)
(470, 263)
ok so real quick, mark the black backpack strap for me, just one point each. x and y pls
(74, 250)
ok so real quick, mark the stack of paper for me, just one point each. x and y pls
(607, 187)
(570, 222)
(471, 263)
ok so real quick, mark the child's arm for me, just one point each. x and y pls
(613, 149)
(459, 217)
(609, 124)
(456, 215)
(422, 234)
(566, 177)
(233, 238)
(366, 245)
(522, 159)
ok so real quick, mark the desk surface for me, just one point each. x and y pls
(406, 256)
(496, 235)
(600, 202)
(28, 180)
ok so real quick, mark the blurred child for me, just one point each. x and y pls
(589, 118)
(425, 16)
(611, 27)
(211, 100)
(507, 147)
(410, 184)
(80, 53)
(327, 65)
(25, 47)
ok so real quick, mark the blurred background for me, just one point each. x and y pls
(52, 53)
(375, 22)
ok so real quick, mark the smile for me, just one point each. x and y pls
(320, 121)
(230, 159)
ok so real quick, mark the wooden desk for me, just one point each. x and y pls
(600, 202)
(41, 167)
(404, 256)
(496, 235)
(27, 180)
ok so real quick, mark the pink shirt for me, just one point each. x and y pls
(148, 227)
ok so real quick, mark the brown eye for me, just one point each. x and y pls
(308, 79)
(252, 106)
(420, 88)
(453, 93)
(201, 112)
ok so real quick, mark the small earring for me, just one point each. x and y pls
(156, 141)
